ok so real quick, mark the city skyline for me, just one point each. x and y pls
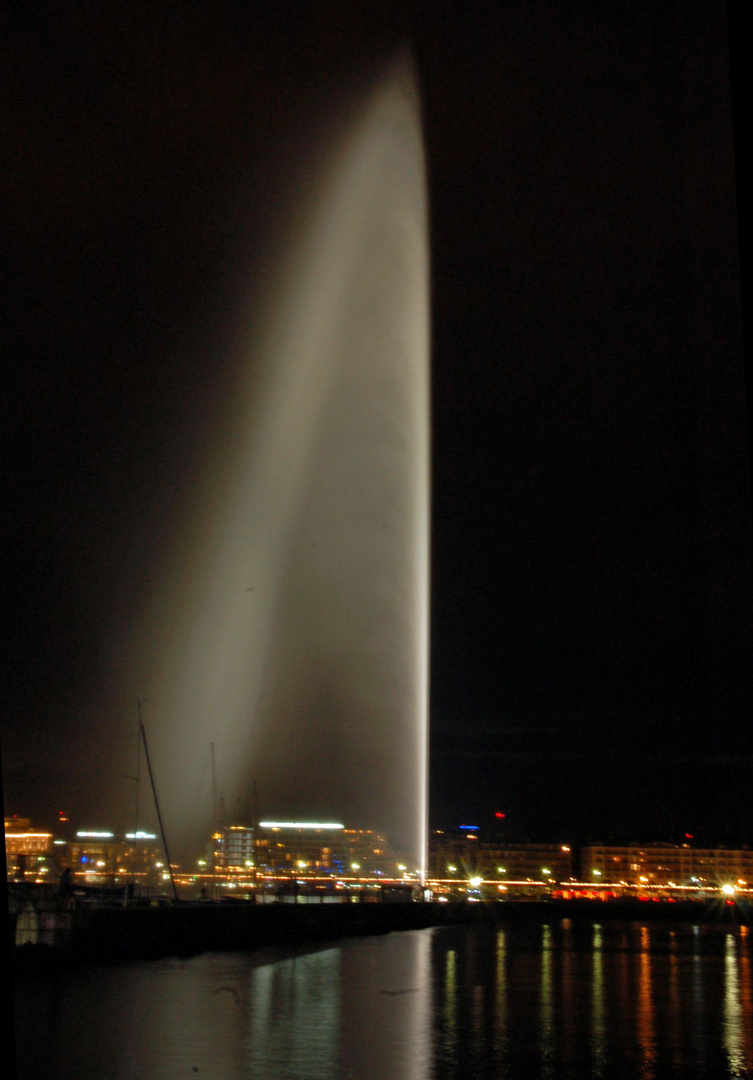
(286, 857)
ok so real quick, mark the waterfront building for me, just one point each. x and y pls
(667, 865)
(525, 862)
(99, 857)
(323, 848)
(364, 852)
(27, 850)
(462, 853)
(233, 850)
(301, 849)
(453, 851)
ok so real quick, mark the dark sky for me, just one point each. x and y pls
(591, 617)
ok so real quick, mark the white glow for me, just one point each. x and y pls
(96, 835)
(293, 613)
(300, 825)
(141, 836)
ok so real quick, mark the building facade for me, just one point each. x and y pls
(302, 849)
(27, 850)
(460, 854)
(102, 858)
(667, 865)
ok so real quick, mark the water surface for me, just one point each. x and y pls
(552, 999)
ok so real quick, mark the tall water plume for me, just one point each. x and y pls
(290, 630)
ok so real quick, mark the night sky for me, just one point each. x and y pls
(591, 589)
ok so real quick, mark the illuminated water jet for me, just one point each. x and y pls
(291, 628)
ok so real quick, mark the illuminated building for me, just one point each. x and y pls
(526, 862)
(26, 849)
(462, 852)
(301, 846)
(233, 850)
(98, 857)
(668, 864)
(302, 849)
(456, 848)
(323, 848)
(364, 851)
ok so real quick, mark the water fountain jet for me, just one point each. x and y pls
(291, 627)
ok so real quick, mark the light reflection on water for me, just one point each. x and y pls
(449, 1047)
(737, 1005)
(556, 999)
(646, 1033)
(567, 1004)
(547, 1004)
(502, 1036)
(674, 1030)
(300, 994)
(598, 1024)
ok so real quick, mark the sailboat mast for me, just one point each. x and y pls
(156, 802)
(138, 774)
(214, 793)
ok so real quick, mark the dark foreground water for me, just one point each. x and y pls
(536, 999)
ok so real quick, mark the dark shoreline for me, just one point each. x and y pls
(112, 935)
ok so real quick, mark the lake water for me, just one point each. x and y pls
(554, 999)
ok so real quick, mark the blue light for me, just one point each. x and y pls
(473, 828)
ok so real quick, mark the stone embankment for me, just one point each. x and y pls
(110, 934)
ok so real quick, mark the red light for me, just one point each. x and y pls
(688, 836)
(498, 814)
